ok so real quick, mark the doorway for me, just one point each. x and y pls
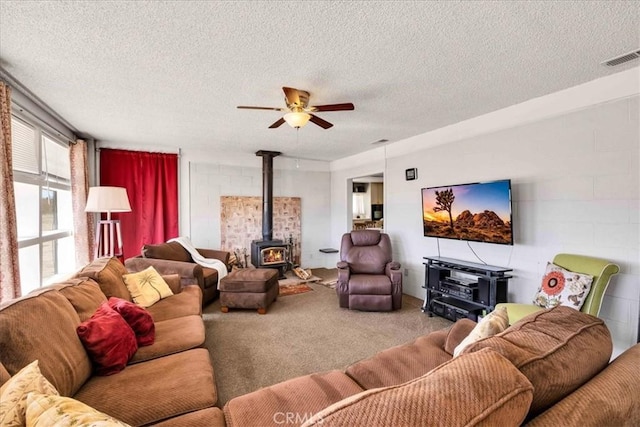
(367, 202)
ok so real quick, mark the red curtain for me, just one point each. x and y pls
(151, 180)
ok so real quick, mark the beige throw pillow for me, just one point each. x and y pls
(147, 287)
(491, 324)
(13, 394)
(45, 410)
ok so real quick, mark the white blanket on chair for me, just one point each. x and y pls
(200, 260)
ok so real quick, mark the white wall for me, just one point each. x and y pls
(575, 180)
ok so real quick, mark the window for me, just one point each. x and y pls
(42, 186)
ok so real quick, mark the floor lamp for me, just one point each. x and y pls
(108, 234)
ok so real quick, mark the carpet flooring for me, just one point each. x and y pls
(302, 334)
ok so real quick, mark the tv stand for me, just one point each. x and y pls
(456, 289)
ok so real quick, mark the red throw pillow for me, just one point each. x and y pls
(138, 318)
(108, 339)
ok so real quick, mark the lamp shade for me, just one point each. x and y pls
(297, 119)
(107, 199)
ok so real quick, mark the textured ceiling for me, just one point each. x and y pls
(171, 73)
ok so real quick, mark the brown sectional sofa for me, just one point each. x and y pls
(169, 383)
(551, 368)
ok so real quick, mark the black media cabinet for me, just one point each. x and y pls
(455, 289)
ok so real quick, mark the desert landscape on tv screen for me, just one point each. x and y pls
(477, 212)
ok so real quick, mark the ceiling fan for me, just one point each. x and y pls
(299, 112)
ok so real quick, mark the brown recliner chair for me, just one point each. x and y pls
(368, 279)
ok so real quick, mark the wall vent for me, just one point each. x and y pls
(621, 59)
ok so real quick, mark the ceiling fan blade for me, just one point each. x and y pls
(277, 123)
(334, 107)
(292, 96)
(320, 122)
(246, 107)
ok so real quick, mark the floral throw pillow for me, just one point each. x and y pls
(44, 410)
(13, 394)
(563, 287)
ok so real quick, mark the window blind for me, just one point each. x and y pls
(24, 148)
(55, 159)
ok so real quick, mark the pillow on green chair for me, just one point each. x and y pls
(562, 287)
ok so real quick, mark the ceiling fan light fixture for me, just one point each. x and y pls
(297, 119)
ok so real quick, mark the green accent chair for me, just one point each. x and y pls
(600, 269)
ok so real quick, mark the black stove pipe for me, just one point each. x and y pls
(267, 192)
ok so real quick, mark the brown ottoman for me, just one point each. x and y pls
(249, 288)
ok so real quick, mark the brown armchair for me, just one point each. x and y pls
(368, 279)
(172, 258)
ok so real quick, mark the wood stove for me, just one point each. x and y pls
(269, 253)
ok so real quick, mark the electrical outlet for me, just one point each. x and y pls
(406, 272)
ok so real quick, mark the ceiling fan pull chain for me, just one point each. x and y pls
(297, 147)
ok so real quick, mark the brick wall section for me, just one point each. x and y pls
(241, 222)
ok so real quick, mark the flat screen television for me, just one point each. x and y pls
(479, 212)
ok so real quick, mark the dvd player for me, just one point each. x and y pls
(460, 281)
(460, 291)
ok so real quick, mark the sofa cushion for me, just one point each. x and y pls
(475, 389)
(108, 273)
(42, 325)
(173, 336)
(45, 410)
(173, 251)
(13, 395)
(369, 284)
(139, 395)
(108, 339)
(401, 363)
(210, 417)
(173, 280)
(458, 332)
(557, 349)
(608, 399)
(147, 287)
(84, 294)
(491, 324)
(137, 318)
(186, 303)
(301, 397)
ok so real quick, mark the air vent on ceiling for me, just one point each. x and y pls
(621, 59)
(380, 141)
